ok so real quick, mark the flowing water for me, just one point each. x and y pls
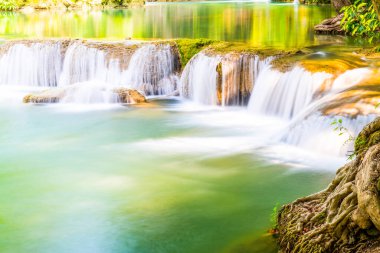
(200, 168)
(122, 179)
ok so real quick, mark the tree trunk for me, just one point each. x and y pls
(339, 4)
(376, 5)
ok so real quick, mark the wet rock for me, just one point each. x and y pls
(55, 95)
(130, 96)
(47, 96)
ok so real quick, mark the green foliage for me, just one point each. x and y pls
(360, 19)
(8, 5)
(338, 127)
(273, 216)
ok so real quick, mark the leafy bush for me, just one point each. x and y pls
(8, 5)
(360, 19)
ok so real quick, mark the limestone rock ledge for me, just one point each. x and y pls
(54, 95)
(345, 217)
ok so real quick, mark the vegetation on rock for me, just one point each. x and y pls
(187, 48)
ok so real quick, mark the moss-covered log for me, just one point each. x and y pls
(346, 216)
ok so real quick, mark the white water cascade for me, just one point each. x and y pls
(221, 79)
(89, 93)
(317, 134)
(285, 94)
(36, 64)
(199, 79)
(149, 68)
(299, 96)
(153, 69)
(82, 63)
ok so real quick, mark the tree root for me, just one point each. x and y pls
(330, 26)
(343, 218)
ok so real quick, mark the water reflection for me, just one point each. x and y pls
(281, 25)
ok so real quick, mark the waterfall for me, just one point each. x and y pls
(150, 68)
(37, 64)
(239, 73)
(316, 133)
(221, 79)
(82, 63)
(285, 94)
(199, 79)
(89, 93)
(153, 69)
(311, 129)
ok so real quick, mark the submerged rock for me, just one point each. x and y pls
(346, 216)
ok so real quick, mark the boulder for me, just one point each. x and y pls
(130, 96)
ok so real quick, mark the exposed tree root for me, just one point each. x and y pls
(330, 26)
(346, 216)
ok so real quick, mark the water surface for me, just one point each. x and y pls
(261, 24)
(122, 179)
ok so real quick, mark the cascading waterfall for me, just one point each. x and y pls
(89, 93)
(199, 79)
(285, 94)
(150, 68)
(89, 72)
(311, 129)
(37, 64)
(82, 63)
(153, 69)
(316, 133)
(239, 74)
(221, 80)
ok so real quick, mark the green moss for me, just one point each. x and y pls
(369, 136)
(321, 217)
(189, 47)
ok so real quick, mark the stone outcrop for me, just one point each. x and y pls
(345, 217)
(130, 96)
(54, 95)
(47, 96)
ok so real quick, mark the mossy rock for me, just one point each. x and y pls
(187, 48)
(369, 136)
